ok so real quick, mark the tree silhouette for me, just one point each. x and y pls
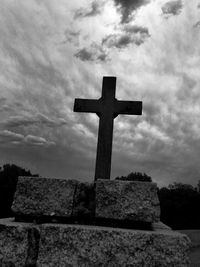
(135, 176)
(180, 204)
(198, 186)
(9, 174)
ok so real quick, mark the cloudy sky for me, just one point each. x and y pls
(52, 51)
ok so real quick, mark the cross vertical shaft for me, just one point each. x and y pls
(105, 135)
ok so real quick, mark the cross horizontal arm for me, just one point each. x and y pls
(128, 107)
(86, 105)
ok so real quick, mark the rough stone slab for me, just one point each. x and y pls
(89, 246)
(194, 235)
(18, 243)
(127, 200)
(44, 197)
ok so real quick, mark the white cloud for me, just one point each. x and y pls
(11, 136)
(8, 137)
(36, 140)
(37, 120)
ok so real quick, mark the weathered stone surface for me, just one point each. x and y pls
(75, 245)
(18, 243)
(127, 200)
(194, 235)
(84, 200)
(25, 244)
(44, 197)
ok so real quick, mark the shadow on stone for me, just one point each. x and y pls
(86, 220)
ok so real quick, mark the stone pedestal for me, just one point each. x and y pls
(56, 245)
(19, 243)
(118, 200)
(81, 241)
(78, 245)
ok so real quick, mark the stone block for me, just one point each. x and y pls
(37, 196)
(89, 246)
(127, 200)
(18, 243)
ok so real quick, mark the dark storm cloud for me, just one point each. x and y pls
(95, 9)
(85, 54)
(129, 7)
(197, 24)
(92, 53)
(130, 35)
(17, 121)
(172, 8)
(72, 37)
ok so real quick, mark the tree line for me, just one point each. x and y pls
(180, 203)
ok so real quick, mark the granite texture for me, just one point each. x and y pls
(44, 197)
(52, 245)
(127, 200)
(57, 199)
(19, 243)
(75, 245)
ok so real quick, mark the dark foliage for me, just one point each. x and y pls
(135, 176)
(180, 206)
(8, 180)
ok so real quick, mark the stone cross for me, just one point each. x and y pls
(107, 108)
